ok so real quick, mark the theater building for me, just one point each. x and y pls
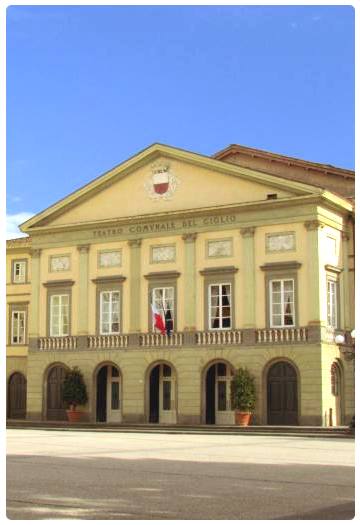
(249, 257)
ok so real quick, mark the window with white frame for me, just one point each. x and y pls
(59, 315)
(18, 327)
(110, 312)
(19, 271)
(219, 306)
(282, 303)
(332, 303)
(164, 300)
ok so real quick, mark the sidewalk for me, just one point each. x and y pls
(328, 432)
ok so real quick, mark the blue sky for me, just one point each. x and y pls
(89, 86)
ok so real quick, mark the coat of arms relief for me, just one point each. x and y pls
(162, 183)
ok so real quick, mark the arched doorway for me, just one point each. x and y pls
(217, 394)
(282, 398)
(55, 406)
(336, 388)
(17, 396)
(108, 388)
(162, 400)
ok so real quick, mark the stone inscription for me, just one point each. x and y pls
(167, 226)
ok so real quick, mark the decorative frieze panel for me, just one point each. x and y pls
(59, 263)
(109, 259)
(220, 248)
(280, 242)
(163, 253)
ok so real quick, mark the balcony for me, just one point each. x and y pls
(238, 337)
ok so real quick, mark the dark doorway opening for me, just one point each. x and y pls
(210, 395)
(17, 396)
(282, 399)
(101, 387)
(154, 395)
(56, 407)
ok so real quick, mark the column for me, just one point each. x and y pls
(190, 282)
(314, 288)
(248, 276)
(135, 284)
(35, 298)
(83, 328)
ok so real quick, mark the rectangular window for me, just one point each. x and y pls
(163, 300)
(332, 303)
(282, 303)
(17, 327)
(59, 315)
(109, 312)
(19, 271)
(220, 306)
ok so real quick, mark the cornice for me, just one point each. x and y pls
(109, 279)
(162, 275)
(65, 283)
(284, 265)
(219, 270)
(333, 269)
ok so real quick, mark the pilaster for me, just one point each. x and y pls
(248, 273)
(35, 294)
(83, 289)
(190, 281)
(344, 283)
(313, 272)
(135, 284)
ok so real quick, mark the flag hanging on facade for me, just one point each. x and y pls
(158, 320)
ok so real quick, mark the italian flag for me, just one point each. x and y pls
(158, 320)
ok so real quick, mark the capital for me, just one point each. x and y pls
(134, 243)
(313, 225)
(189, 237)
(248, 232)
(83, 248)
(35, 252)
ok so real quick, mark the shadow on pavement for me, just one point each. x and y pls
(49, 487)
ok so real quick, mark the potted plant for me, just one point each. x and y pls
(74, 393)
(243, 396)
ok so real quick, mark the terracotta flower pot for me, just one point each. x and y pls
(242, 418)
(73, 416)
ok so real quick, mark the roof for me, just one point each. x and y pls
(19, 243)
(267, 155)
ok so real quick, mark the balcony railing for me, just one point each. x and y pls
(249, 337)
(220, 337)
(108, 341)
(281, 335)
(152, 339)
(58, 343)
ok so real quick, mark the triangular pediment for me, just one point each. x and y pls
(163, 180)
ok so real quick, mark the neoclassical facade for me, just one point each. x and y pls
(247, 255)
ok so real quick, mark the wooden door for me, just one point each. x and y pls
(17, 396)
(282, 399)
(56, 408)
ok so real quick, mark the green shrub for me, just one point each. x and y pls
(243, 393)
(74, 389)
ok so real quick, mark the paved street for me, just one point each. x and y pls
(115, 475)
